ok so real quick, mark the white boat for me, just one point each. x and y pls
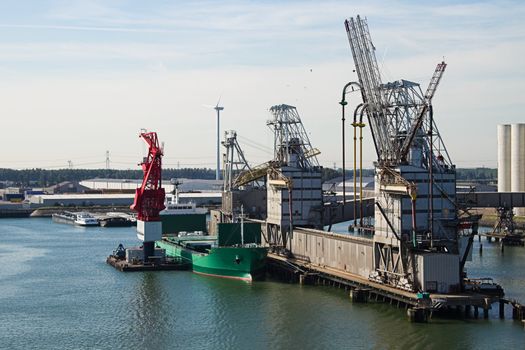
(182, 217)
(174, 207)
(81, 218)
(85, 219)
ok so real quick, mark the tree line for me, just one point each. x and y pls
(44, 177)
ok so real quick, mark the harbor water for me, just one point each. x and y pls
(57, 292)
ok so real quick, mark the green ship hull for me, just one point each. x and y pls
(243, 263)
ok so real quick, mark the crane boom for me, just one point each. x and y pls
(363, 52)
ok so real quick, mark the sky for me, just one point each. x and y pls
(79, 78)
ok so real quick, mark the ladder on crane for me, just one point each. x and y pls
(434, 82)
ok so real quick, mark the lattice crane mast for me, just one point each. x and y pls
(397, 111)
(429, 94)
(370, 81)
(149, 198)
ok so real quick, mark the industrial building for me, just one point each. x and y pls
(82, 199)
(117, 199)
(417, 244)
(185, 185)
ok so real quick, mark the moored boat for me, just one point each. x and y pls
(85, 219)
(236, 251)
(114, 221)
(80, 219)
(182, 217)
(246, 262)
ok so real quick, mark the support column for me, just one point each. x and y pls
(359, 295)
(308, 279)
(149, 250)
(417, 315)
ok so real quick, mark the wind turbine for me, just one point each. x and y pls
(218, 109)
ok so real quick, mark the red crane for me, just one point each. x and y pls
(149, 198)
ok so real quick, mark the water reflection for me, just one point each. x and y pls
(148, 316)
(87, 304)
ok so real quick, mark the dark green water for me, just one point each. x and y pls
(56, 292)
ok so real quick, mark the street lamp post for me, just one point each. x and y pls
(343, 103)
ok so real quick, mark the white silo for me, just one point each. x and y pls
(504, 158)
(517, 157)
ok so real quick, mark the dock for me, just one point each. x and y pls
(419, 309)
(166, 265)
(318, 258)
(516, 239)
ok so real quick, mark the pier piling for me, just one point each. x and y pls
(418, 315)
(359, 295)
